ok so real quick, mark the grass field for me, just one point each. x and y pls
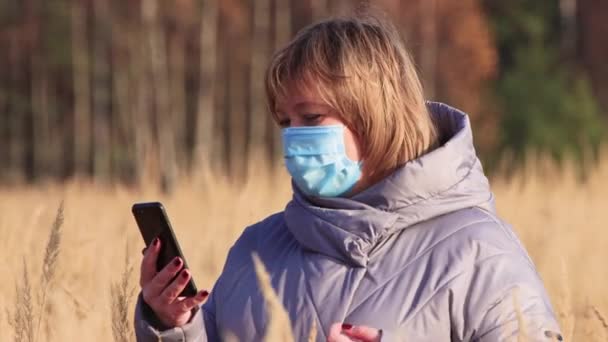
(560, 221)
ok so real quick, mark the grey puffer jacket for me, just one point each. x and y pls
(420, 255)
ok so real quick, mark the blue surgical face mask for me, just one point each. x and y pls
(316, 158)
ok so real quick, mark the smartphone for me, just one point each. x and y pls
(152, 221)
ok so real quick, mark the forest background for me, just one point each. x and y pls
(104, 103)
(157, 90)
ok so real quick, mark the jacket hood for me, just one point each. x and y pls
(447, 179)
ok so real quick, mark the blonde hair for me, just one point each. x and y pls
(360, 67)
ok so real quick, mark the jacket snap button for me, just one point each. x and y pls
(552, 334)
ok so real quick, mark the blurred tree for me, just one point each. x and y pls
(176, 66)
(568, 28)
(428, 51)
(320, 9)
(4, 118)
(467, 64)
(160, 81)
(142, 103)
(204, 135)
(237, 76)
(148, 90)
(548, 106)
(282, 32)
(547, 110)
(593, 30)
(82, 89)
(101, 93)
(454, 47)
(260, 55)
(14, 42)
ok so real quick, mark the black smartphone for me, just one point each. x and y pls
(153, 222)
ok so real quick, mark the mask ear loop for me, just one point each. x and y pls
(359, 163)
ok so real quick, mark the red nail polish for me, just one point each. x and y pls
(203, 294)
(185, 274)
(177, 262)
(346, 326)
(156, 242)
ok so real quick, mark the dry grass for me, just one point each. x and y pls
(602, 320)
(522, 336)
(121, 294)
(25, 321)
(561, 222)
(21, 319)
(279, 326)
(49, 267)
(312, 336)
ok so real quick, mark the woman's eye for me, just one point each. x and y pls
(313, 118)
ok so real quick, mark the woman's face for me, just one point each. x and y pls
(302, 107)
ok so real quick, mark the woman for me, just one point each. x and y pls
(391, 234)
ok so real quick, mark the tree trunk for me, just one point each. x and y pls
(160, 80)
(42, 151)
(237, 106)
(121, 128)
(320, 9)
(568, 9)
(101, 148)
(4, 119)
(219, 148)
(177, 89)
(282, 35)
(141, 108)
(593, 24)
(428, 53)
(82, 91)
(259, 59)
(340, 7)
(17, 115)
(205, 123)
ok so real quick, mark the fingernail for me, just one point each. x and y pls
(185, 274)
(177, 262)
(203, 294)
(346, 326)
(156, 242)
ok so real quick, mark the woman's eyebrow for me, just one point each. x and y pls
(308, 104)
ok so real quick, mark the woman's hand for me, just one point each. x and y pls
(161, 294)
(348, 333)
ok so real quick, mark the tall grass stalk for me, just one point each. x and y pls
(543, 215)
(601, 319)
(279, 325)
(22, 319)
(522, 335)
(121, 293)
(49, 265)
(229, 337)
(312, 336)
(566, 311)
